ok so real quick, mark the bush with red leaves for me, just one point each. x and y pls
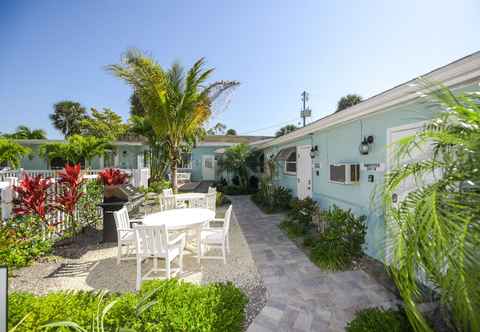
(71, 181)
(112, 177)
(32, 196)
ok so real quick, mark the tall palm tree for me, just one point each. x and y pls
(67, 117)
(434, 231)
(177, 104)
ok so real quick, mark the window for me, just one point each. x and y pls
(291, 163)
(185, 161)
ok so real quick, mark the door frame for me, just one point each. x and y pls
(205, 156)
(309, 186)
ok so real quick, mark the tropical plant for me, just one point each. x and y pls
(218, 129)
(231, 132)
(434, 231)
(177, 104)
(11, 153)
(33, 197)
(285, 130)
(348, 101)
(112, 177)
(76, 149)
(379, 320)
(235, 161)
(24, 132)
(67, 117)
(103, 124)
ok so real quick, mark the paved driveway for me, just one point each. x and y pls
(301, 297)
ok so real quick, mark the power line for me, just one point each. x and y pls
(270, 127)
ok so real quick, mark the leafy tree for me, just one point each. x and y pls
(11, 153)
(434, 231)
(24, 132)
(105, 123)
(231, 132)
(285, 130)
(348, 101)
(218, 129)
(67, 117)
(236, 160)
(136, 107)
(76, 149)
(177, 104)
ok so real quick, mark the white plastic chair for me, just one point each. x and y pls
(212, 190)
(211, 201)
(217, 237)
(125, 233)
(167, 203)
(199, 202)
(153, 242)
(167, 192)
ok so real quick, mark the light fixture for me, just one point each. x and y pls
(313, 151)
(364, 146)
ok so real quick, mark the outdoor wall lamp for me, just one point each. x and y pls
(313, 151)
(364, 146)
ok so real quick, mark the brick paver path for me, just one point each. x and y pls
(300, 296)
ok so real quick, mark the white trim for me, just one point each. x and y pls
(291, 162)
(459, 72)
(203, 144)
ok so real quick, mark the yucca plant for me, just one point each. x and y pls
(434, 230)
(176, 104)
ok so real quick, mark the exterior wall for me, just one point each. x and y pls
(197, 154)
(340, 144)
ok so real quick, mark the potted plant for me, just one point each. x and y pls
(111, 178)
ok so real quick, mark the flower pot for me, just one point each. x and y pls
(108, 190)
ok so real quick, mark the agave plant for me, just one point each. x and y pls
(435, 229)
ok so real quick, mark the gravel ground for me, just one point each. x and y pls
(88, 265)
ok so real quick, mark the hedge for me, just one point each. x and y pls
(176, 306)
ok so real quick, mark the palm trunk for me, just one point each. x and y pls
(173, 169)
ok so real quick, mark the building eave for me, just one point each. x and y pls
(460, 72)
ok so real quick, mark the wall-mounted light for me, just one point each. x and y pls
(313, 151)
(364, 146)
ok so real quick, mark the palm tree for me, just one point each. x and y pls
(177, 104)
(236, 160)
(348, 101)
(285, 130)
(67, 117)
(11, 153)
(435, 229)
(24, 132)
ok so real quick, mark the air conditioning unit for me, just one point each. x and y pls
(345, 173)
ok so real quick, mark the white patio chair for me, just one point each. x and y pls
(217, 237)
(199, 202)
(167, 192)
(212, 190)
(151, 203)
(211, 201)
(125, 234)
(167, 203)
(153, 242)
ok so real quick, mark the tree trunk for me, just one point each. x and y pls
(157, 164)
(173, 171)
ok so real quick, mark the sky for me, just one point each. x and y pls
(57, 50)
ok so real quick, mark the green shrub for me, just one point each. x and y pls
(292, 229)
(379, 320)
(21, 242)
(156, 186)
(302, 210)
(272, 198)
(88, 203)
(342, 240)
(175, 306)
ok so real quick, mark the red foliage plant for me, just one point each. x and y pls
(71, 181)
(112, 177)
(32, 196)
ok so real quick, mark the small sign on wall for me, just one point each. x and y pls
(373, 167)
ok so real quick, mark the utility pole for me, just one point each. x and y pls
(305, 112)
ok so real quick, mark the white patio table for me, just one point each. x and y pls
(178, 219)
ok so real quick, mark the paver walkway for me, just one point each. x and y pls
(300, 296)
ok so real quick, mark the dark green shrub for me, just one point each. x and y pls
(342, 240)
(88, 203)
(21, 242)
(302, 210)
(175, 306)
(292, 229)
(310, 240)
(253, 182)
(379, 320)
(272, 198)
(156, 186)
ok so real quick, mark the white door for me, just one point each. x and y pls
(208, 168)
(304, 172)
